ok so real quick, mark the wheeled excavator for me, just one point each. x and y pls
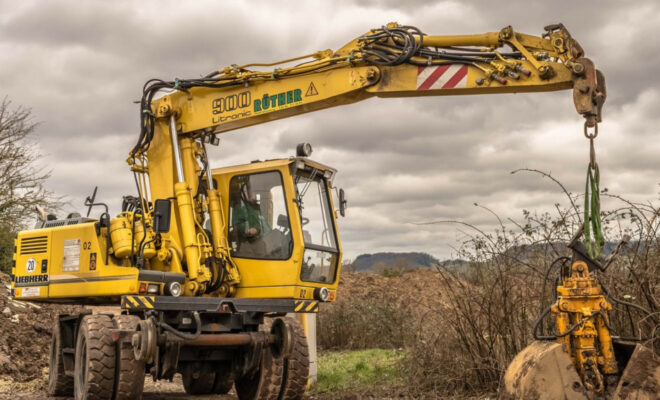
(208, 265)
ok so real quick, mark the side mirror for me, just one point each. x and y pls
(342, 203)
(162, 213)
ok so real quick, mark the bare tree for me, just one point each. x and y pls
(21, 180)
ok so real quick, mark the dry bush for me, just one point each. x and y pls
(460, 339)
(497, 298)
(369, 323)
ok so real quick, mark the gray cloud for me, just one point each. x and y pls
(80, 66)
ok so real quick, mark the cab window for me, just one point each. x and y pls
(321, 250)
(258, 219)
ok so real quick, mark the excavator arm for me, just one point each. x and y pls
(393, 61)
(179, 116)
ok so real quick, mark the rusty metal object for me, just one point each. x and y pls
(589, 92)
(145, 341)
(223, 339)
(282, 333)
(641, 378)
(542, 371)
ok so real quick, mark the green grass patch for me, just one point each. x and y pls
(357, 370)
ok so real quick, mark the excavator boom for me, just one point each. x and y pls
(393, 61)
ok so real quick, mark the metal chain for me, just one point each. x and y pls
(591, 137)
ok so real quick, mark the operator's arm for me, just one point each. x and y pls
(247, 220)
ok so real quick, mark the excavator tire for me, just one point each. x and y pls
(542, 371)
(129, 381)
(198, 378)
(223, 379)
(265, 382)
(296, 365)
(59, 384)
(94, 377)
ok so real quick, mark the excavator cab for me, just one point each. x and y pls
(281, 228)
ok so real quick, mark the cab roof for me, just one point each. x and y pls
(268, 164)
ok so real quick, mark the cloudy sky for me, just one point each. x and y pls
(80, 66)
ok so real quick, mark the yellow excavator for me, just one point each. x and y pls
(207, 263)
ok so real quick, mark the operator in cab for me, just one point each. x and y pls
(248, 224)
(254, 232)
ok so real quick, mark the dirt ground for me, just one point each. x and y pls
(427, 287)
(152, 390)
(25, 330)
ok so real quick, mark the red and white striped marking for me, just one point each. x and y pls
(442, 77)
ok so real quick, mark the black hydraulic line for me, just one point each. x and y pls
(385, 46)
(629, 304)
(545, 278)
(536, 327)
(144, 225)
(143, 245)
(572, 328)
(427, 52)
(137, 185)
(511, 54)
(106, 217)
(626, 303)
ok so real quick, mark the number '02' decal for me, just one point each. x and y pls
(87, 245)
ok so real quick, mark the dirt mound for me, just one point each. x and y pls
(383, 311)
(25, 330)
(422, 289)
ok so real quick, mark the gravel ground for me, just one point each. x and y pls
(10, 390)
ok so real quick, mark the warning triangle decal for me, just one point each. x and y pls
(311, 90)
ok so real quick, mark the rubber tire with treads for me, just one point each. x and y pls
(266, 382)
(296, 365)
(59, 384)
(129, 381)
(203, 383)
(95, 359)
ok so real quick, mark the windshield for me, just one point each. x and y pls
(320, 259)
(258, 219)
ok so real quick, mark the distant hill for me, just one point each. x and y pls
(414, 260)
(366, 262)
